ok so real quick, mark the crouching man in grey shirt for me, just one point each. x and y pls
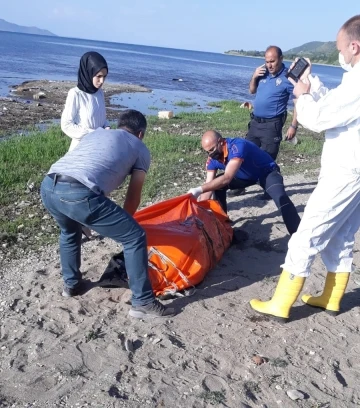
(75, 193)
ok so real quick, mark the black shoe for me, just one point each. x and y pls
(236, 192)
(152, 310)
(264, 197)
(115, 275)
(70, 292)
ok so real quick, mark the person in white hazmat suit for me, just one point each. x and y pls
(332, 214)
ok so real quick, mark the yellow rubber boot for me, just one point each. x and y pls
(286, 293)
(335, 285)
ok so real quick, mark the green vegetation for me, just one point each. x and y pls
(278, 362)
(318, 51)
(184, 104)
(178, 163)
(93, 335)
(214, 397)
(24, 159)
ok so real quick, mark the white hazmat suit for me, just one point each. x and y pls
(332, 214)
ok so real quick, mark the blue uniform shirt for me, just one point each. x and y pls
(272, 95)
(255, 162)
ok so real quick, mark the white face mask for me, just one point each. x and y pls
(344, 65)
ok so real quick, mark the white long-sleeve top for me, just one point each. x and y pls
(82, 114)
(337, 112)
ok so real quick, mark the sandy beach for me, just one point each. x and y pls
(86, 351)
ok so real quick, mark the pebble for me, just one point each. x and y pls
(129, 346)
(157, 340)
(258, 360)
(213, 384)
(295, 395)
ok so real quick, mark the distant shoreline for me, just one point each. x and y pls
(285, 59)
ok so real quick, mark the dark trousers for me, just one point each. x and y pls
(267, 134)
(273, 184)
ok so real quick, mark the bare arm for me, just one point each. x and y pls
(210, 175)
(254, 82)
(294, 122)
(253, 85)
(291, 132)
(133, 194)
(223, 180)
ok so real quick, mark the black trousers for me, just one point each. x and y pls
(273, 184)
(267, 135)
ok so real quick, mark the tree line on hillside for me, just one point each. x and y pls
(330, 58)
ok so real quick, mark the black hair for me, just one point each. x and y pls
(276, 48)
(132, 120)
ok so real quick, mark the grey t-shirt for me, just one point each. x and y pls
(103, 159)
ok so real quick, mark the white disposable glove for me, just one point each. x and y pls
(196, 191)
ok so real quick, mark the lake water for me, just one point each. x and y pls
(204, 76)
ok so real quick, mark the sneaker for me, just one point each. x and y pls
(70, 292)
(151, 311)
(236, 192)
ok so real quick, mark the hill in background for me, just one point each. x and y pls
(317, 51)
(6, 26)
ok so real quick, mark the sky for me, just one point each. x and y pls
(204, 25)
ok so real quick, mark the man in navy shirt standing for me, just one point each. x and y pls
(244, 164)
(273, 91)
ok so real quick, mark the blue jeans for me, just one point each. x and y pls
(73, 205)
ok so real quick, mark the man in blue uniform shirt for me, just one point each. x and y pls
(244, 164)
(273, 91)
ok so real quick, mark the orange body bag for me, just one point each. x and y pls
(185, 241)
